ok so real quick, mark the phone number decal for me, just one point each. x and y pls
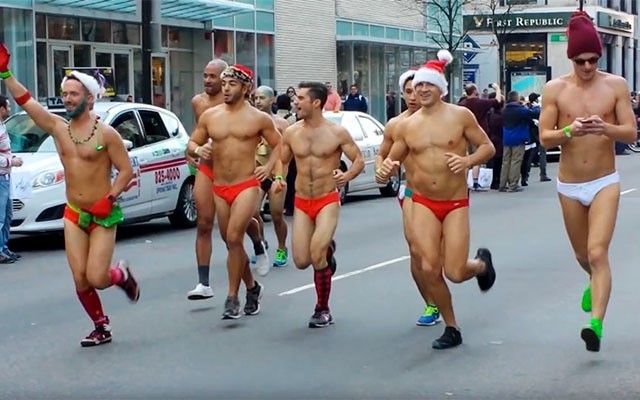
(167, 175)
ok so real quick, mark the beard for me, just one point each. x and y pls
(79, 110)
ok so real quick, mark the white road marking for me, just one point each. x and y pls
(628, 191)
(348, 274)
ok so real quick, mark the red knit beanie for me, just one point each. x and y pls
(583, 36)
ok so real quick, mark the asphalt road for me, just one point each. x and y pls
(521, 340)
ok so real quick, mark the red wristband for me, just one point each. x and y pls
(22, 100)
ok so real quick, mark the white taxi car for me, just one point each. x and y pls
(368, 133)
(162, 185)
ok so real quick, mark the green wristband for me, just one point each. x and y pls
(5, 74)
(567, 131)
(280, 177)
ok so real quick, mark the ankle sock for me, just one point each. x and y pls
(203, 275)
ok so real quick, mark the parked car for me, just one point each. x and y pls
(162, 185)
(368, 133)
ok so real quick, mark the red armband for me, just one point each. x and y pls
(22, 100)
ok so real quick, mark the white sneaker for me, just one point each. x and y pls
(262, 265)
(201, 292)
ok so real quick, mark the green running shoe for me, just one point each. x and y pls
(282, 256)
(586, 299)
(592, 334)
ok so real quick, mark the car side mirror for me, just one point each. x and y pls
(128, 144)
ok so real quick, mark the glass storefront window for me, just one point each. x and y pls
(245, 49)
(121, 72)
(344, 67)
(125, 33)
(245, 21)
(178, 38)
(360, 29)
(137, 74)
(419, 57)
(41, 26)
(16, 29)
(525, 50)
(266, 60)
(63, 28)
(224, 22)
(81, 55)
(43, 71)
(264, 4)
(223, 45)
(96, 31)
(265, 21)
(361, 68)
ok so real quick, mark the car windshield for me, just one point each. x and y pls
(27, 137)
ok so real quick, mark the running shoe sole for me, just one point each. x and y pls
(229, 316)
(314, 325)
(436, 322)
(590, 339)
(94, 344)
(198, 297)
(488, 278)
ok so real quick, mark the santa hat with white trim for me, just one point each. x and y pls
(433, 72)
(405, 77)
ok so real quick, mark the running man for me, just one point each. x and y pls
(235, 129)
(588, 183)
(211, 97)
(264, 99)
(317, 145)
(88, 150)
(431, 315)
(434, 143)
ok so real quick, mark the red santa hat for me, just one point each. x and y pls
(433, 72)
(408, 75)
(583, 36)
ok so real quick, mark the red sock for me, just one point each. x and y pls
(322, 279)
(117, 275)
(92, 305)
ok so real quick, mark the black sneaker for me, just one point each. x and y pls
(6, 259)
(13, 255)
(450, 338)
(129, 283)
(488, 277)
(231, 308)
(320, 319)
(100, 335)
(545, 179)
(252, 305)
(591, 339)
(331, 260)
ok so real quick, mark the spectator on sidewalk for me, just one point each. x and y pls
(334, 102)
(537, 154)
(495, 135)
(355, 101)
(516, 119)
(7, 160)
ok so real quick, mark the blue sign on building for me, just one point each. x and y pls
(469, 43)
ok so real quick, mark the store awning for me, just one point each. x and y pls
(192, 10)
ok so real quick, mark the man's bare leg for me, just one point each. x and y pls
(276, 208)
(303, 228)
(206, 214)
(431, 314)
(233, 221)
(602, 219)
(322, 247)
(260, 260)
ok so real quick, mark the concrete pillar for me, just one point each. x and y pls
(616, 68)
(629, 66)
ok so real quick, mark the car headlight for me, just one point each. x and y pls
(48, 178)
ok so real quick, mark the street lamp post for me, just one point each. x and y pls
(581, 4)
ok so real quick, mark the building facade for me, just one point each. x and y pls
(530, 46)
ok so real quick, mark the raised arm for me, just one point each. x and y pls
(273, 138)
(478, 138)
(625, 130)
(119, 158)
(47, 121)
(353, 153)
(550, 135)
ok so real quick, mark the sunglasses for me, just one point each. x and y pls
(591, 61)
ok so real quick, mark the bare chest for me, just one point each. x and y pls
(222, 129)
(425, 137)
(579, 103)
(320, 146)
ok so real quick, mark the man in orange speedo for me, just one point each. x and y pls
(211, 97)
(235, 129)
(431, 315)
(317, 145)
(88, 150)
(434, 143)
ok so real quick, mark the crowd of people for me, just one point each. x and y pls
(243, 147)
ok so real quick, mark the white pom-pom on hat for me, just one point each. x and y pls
(445, 55)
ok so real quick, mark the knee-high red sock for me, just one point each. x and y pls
(322, 280)
(117, 275)
(92, 305)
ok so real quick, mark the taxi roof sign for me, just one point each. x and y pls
(55, 102)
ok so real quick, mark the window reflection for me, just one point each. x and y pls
(266, 60)
(223, 45)
(245, 51)
(63, 28)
